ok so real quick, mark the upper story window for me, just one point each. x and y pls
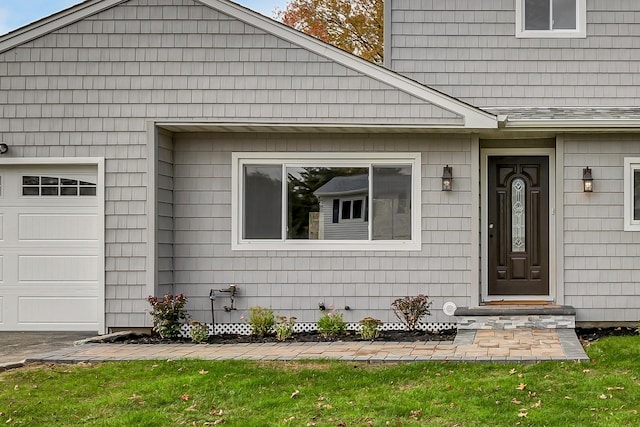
(320, 201)
(551, 19)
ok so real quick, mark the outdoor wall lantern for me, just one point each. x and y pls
(447, 178)
(3, 148)
(587, 180)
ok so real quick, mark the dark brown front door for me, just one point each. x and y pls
(518, 189)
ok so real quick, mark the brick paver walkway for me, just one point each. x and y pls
(521, 345)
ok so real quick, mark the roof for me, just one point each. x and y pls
(344, 185)
(567, 117)
(474, 118)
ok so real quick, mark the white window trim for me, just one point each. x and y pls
(631, 164)
(579, 32)
(330, 160)
(351, 218)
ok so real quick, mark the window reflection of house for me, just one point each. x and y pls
(344, 206)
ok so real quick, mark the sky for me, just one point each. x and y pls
(17, 13)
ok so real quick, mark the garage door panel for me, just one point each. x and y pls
(51, 244)
(65, 227)
(56, 310)
(57, 268)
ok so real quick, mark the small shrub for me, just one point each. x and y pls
(261, 321)
(331, 324)
(284, 327)
(199, 332)
(369, 330)
(168, 314)
(411, 309)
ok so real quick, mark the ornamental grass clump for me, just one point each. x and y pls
(331, 324)
(284, 327)
(369, 328)
(168, 314)
(261, 321)
(411, 309)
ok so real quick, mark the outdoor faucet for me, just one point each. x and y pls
(231, 289)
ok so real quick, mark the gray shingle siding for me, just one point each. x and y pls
(468, 49)
(294, 282)
(602, 274)
(90, 89)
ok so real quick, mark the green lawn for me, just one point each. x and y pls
(605, 392)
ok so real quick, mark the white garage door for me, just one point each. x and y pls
(49, 248)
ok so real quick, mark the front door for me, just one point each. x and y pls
(518, 221)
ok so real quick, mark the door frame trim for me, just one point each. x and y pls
(484, 241)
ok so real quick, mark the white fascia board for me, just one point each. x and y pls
(474, 118)
(55, 22)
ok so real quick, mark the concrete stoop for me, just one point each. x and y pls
(516, 317)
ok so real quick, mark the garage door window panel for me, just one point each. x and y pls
(56, 186)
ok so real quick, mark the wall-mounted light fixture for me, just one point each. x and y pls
(447, 178)
(3, 148)
(587, 180)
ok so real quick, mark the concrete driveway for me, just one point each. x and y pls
(17, 346)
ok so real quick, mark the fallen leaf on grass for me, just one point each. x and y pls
(586, 371)
(320, 398)
(416, 413)
(615, 388)
(191, 408)
(522, 386)
(134, 397)
(185, 397)
(523, 415)
(203, 372)
(216, 413)
(538, 404)
(516, 401)
(512, 372)
(214, 423)
(603, 397)
(9, 421)
(295, 394)
(286, 420)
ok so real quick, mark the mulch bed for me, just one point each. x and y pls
(588, 335)
(402, 336)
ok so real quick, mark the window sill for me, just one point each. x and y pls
(332, 246)
(569, 34)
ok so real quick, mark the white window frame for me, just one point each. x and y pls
(631, 164)
(351, 218)
(579, 32)
(239, 159)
